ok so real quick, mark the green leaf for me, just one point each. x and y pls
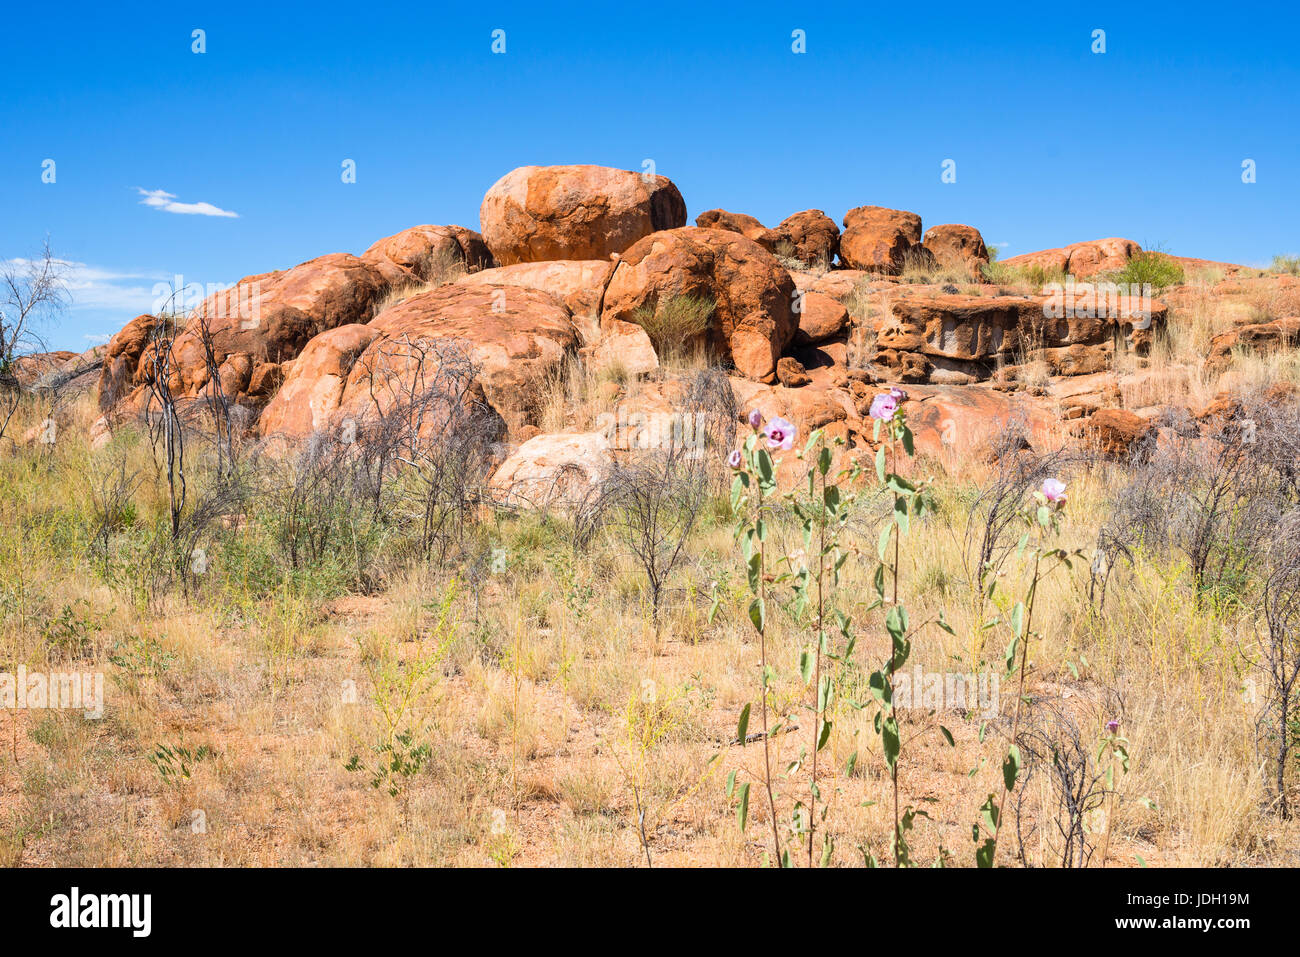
(1011, 767)
(989, 813)
(947, 736)
(731, 784)
(883, 545)
(880, 460)
(824, 460)
(742, 809)
(825, 735)
(758, 614)
(909, 443)
(1018, 619)
(880, 689)
(889, 737)
(806, 659)
(900, 515)
(742, 726)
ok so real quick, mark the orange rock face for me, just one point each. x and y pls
(957, 340)
(313, 389)
(1081, 259)
(537, 213)
(121, 369)
(753, 318)
(421, 250)
(820, 318)
(1259, 336)
(1117, 432)
(952, 244)
(878, 239)
(580, 283)
(746, 225)
(809, 236)
(267, 319)
(515, 336)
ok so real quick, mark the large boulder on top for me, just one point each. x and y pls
(810, 236)
(536, 213)
(742, 223)
(953, 244)
(427, 253)
(878, 239)
(516, 338)
(753, 317)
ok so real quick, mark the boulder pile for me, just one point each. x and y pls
(587, 266)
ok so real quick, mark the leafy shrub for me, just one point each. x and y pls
(1151, 267)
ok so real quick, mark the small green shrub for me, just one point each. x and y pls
(1151, 267)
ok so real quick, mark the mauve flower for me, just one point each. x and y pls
(780, 434)
(1112, 725)
(884, 406)
(1054, 490)
(755, 418)
(733, 459)
(898, 394)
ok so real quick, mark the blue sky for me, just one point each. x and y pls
(1053, 143)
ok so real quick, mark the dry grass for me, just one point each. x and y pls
(557, 711)
(438, 271)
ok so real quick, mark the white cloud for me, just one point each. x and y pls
(161, 199)
(91, 287)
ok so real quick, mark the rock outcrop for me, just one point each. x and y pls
(516, 339)
(428, 252)
(957, 339)
(537, 213)
(1081, 259)
(877, 239)
(952, 244)
(753, 317)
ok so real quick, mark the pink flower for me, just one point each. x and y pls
(1054, 491)
(755, 418)
(884, 406)
(898, 394)
(780, 434)
(734, 460)
(1112, 725)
